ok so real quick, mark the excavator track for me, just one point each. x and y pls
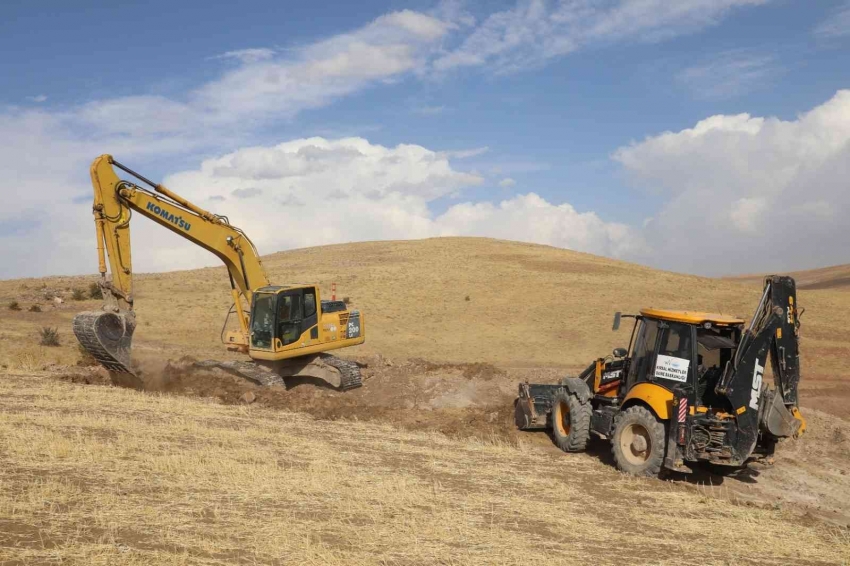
(257, 373)
(349, 371)
(267, 375)
(107, 337)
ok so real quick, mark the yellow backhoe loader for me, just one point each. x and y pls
(286, 330)
(690, 388)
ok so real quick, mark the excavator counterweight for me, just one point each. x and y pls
(286, 330)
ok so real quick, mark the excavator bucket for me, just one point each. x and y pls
(108, 337)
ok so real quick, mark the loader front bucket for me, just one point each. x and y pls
(108, 336)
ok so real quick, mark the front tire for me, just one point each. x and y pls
(639, 442)
(570, 422)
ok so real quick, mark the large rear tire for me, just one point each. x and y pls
(639, 442)
(570, 422)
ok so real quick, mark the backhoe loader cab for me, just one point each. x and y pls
(684, 350)
(689, 388)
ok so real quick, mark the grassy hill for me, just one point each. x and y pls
(446, 299)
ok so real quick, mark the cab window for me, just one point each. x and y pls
(262, 321)
(677, 341)
(675, 353)
(309, 303)
(289, 316)
(289, 308)
(643, 355)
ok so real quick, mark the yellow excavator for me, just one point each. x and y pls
(286, 330)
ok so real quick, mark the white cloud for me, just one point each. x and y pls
(530, 218)
(38, 98)
(728, 74)
(507, 182)
(746, 213)
(313, 75)
(837, 25)
(264, 85)
(316, 191)
(466, 153)
(748, 194)
(534, 31)
(251, 55)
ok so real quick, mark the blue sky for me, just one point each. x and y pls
(514, 98)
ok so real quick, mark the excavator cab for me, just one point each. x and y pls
(292, 320)
(278, 319)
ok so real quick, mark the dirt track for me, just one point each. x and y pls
(811, 476)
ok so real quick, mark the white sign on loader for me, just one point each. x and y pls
(669, 367)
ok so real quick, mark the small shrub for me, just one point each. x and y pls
(467, 299)
(49, 336)
(35, 308)
(14, 306)
(78, 295)
(49, 296)
(346, 300)
(95, 292)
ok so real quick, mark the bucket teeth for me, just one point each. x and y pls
(107, 337)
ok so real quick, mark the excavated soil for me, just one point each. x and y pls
(459, 400)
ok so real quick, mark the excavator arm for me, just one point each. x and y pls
(107, 334)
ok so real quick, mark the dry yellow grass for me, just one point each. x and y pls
(108, 476)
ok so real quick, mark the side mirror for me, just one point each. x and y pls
(616, 321)
(620, 352)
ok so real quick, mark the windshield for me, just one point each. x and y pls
(289, 317)
(644, 349)
(262, 321)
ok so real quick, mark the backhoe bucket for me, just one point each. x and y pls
(108, 337)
